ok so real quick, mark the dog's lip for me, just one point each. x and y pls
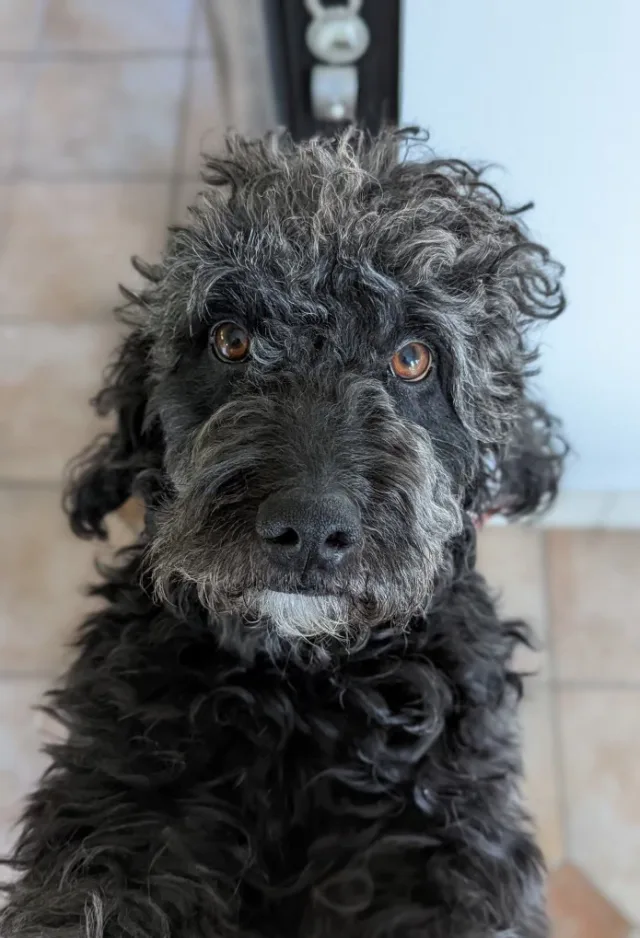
(302, 591)
(308, 594)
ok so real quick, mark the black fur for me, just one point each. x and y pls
(351, 770)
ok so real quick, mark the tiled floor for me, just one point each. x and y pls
(104, 108)
(581, 714)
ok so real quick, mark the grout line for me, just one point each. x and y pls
(98, 56)
(90, 324)
(15, 177)
(555, 706)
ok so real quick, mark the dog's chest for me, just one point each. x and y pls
(299, 763)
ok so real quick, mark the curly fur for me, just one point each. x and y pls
(244, 759)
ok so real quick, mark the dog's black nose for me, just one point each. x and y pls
(303, 532)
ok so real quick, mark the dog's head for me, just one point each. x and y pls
(324, 382)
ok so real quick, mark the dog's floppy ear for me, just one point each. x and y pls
(101, 477)
(522, 478)
(528, 464)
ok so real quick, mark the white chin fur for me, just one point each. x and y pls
(300, 615)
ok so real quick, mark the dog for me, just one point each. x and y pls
(293, 715)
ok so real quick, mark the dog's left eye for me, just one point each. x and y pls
(230, 341)
(412, 362)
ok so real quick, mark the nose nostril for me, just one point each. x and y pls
(287, 538)
(338, 540)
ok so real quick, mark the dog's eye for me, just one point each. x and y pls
(412, 362)
(230, 341)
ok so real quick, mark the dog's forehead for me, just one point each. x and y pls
(290, 285)
(318, 244)
(333, 294)
(305, 239)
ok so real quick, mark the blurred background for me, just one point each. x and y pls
(105, 106)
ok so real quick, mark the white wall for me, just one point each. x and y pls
(550, 89)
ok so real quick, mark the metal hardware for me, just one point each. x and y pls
(334, 92)
(338, 36)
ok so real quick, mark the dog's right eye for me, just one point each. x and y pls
(230, 341)
(412, 362)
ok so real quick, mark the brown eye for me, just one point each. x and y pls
(412, 362)
(230, 341)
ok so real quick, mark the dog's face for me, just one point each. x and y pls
(318, 464)
(333, 355)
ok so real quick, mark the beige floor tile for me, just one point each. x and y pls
(21, 763)
(47, 375)
(512, 560)
(117, 117)
(83, 236)
(19, 24)
(43, 568)
(601, 754)
(578, 910)
(541, 777)
(594, 592)
(118, 25)
(13, 80)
